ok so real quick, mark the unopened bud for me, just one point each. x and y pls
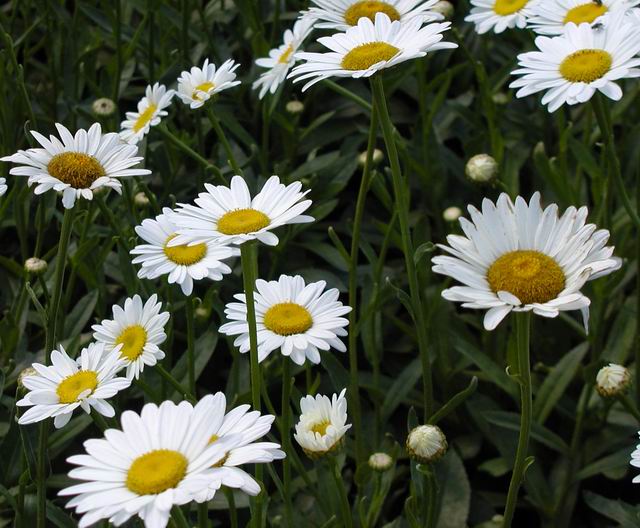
(35, 266)
(426, 443)
(141, 200)
(612, 380)
(380, 462)
(481, 168)
(294, 107)
(103, 107)
(451, 214)
(500, 98)
(444, 8)
(29, 371)
(376, 158)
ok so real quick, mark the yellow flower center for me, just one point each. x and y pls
(508, 7)
(156, 471)
(76, 169)
(204, 87)
(242, 221)
(321, 427)
(286, 55)
(366, 55)
(531, 276)
(214, 438)
(288, 319)
(585, 13)
(133, 338)
(369, 8)
(144, 118)
(586, 65)
(72, 386)
(183, 254)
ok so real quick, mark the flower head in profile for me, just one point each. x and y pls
(230, 215)
(198, 85)
(369, 47)
(572, 67)
(281, 59)
(343, 14)
(297, 318)
(498, 15)
(136, 330)
(162, 457)
(322, 424)
(87, 382)
(183, 264)
(520, 257)
(78, 165)
(151, 109)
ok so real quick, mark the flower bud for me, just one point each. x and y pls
(141, 200)
(29, 371)
(380, 462)
(444, 8)
(612, 380)
(202, 313)
(295, 107)
(376, 158)
(500, 98)
(103, 107)
(35, 266)
(451, 214)
(426, 443)
(481, 168)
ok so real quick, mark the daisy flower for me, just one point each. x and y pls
(369, 47)
(635, 461)
(162, 457)
(3, 186)
(570, 68)
(195, 87)
(524, 258)
(342, 14)
(136, 331)
(322, 424)
(57, 390)
(298, 319)
(229, 215)
(500, 14)
(150, 109)
(550, 17)
(77, 165)
(281, 59)
(182, 263)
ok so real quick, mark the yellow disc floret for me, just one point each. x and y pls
(73, 386)
(144, 118)
(242, 221)
(321, 427)
(203, 87)
(586, 65)
(508, 7)
(156, 471)
(133, 338)
(366, 55)
(76, 169)
(531, 276)
(585, 13)
(183, 254)
(368, 9)
(286, 55)
(288, 319)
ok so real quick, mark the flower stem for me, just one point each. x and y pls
(523, 329)
(286, 440)
(347, 519)
(191, 364)
(215, 123)
(174, 382)
(629, 406)
(203, 515)
(402, 207)
(177, 515)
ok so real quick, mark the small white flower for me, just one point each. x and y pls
(78, 165)
(136, 331)
(498, 15)
(229, 215)
(322, 424)
(196, 86)
(572, 67)
(57, 390)
(3, 186)
(612, 380)
(426, 443)
(280, 60)
(151, 108)
(370, 47)
(182, 263)
(298, 319)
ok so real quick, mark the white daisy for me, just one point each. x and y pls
(150, 109)
(322, 424)
(77, 166)
(635, 461)
(570, 68)
(195, 87)
(161, 457)
(522, 257)
(281, 59)
(498, 15)
(182, 263)
(57, 390)
(298, 319)
(137, 331)
(369, 47)
(550, 17)
(342, 14)
(229, 214)
(246, 427)
(3, 186)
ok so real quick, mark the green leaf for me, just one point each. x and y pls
(541, 434)
(400, 388)
(615, 461)
(616, 510)
(81, 313)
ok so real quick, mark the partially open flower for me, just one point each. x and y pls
(612, 380)
(426, 443)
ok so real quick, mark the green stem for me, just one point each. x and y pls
(402, 207)
(215, 123)
(365, 182)
(203, 515)
(173, 382)
(191, 364)
(286, 440)
(177, 515)
(523, 329)
(431, 487)
(348, 94)
(233, 514)
(629, 406)
(344, 500)
(118, 37)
